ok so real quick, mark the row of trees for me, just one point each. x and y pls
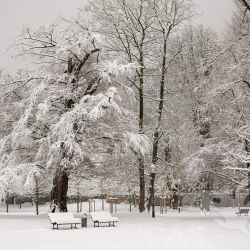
(123, 85)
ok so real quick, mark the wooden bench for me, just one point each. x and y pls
(243, 211)
(103, 218)
(57, 219)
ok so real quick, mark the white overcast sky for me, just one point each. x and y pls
(16, 13)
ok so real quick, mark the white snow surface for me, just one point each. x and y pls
(189, 230)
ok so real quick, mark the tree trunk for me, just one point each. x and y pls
(142, 186)
(20, 203)
(37, 200)
(60, 189)
(157, 134)
(141, 129)
(130, 202)
(247, 148)
(102, 204)
(152, 182)
(78, 202)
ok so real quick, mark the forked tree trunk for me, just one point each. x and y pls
(60, 189)
(61, 178)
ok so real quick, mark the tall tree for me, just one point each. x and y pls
(72, 94)
(140, 31)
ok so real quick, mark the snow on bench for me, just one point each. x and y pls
(103, 217)
(57, 219)
(243, 211)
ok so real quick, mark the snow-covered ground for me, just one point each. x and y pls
(188, 230)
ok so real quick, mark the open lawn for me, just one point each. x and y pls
(188, 230)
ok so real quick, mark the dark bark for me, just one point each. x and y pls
(130, 202)
(157, 134)
(37, 201)
(167, 152)
(247, 148)
(142, 185)
(70, 65)
(60, 189)
(62, 194)
(78, 202)
(141, 127)
(152, 182)
(246, 4)
(141, 95)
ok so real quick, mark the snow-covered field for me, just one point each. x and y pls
(189, 230)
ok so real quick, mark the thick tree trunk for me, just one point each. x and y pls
(60, 189)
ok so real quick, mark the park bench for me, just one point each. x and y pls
(103, 218)
(243, 211)
(57, 219)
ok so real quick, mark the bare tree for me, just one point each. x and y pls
(128, 25)
(169, 15)
(245, 3)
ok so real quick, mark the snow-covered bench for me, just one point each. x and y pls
(243, 211)
(57, 219)
(103, 218)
